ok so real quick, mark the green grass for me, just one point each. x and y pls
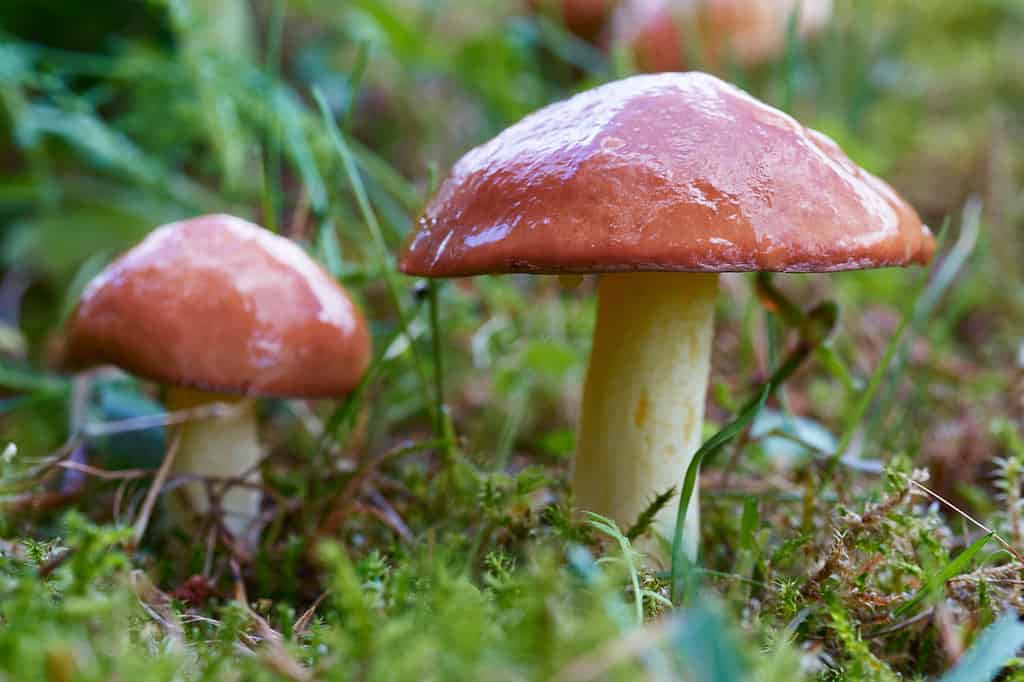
(422, 528)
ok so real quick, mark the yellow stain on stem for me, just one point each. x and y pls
(642, 408)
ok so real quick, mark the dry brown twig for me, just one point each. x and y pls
(158, 606)
(105, 474)
(998, 538)
(55, 562)
(350, 493)
(275, 655)
(301, 625)
(155, 488)
(903, 624)
(173, 418)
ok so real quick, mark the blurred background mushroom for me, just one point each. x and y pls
(220, 311)
(673, 35)
(583, 18)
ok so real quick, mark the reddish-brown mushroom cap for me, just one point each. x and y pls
(663, 33)
(676, 171)
(584, 18)
(220, 304)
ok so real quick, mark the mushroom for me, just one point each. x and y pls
(583, 18)
(220, 310)
(748, 31)
(657, 183)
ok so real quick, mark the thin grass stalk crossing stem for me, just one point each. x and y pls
(643, 401)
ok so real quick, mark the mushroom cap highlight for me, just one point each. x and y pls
(220, 304)
(673, 172)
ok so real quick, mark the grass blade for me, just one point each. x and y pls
(609, 528)
(711, 446)
(878, 376)
(383, 254)
(717, 442)
(990, 653)
(16, 379)
(950, 570)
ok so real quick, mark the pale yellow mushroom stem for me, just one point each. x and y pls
(222, 447)
(643, 401)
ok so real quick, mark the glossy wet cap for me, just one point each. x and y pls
(664, 35)
(676, 171)
(220, 304)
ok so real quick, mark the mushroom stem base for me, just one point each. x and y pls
(219, 447)
(643, 400)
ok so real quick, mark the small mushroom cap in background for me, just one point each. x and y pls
(219, 304)
(583, 18)
(749, 32)
(675, 171)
